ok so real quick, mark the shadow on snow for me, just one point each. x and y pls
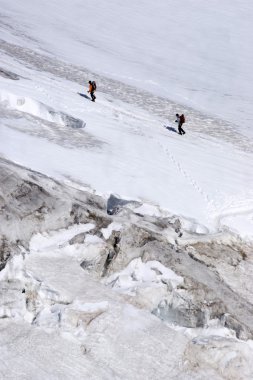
(84, 95)
(171, 129)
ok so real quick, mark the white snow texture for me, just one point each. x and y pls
(63, 316)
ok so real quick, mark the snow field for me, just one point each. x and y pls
(58, 318)
(162, 47)
(131, 155)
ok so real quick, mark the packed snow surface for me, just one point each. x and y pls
(197, 53)
(123, 150)
(205, 175)
(150, 60)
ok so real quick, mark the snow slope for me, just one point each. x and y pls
(130, 153)
(150, 61)
(125, 150)
(194, 52)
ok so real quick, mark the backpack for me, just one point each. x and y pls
(182, 119)
(94, 85)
